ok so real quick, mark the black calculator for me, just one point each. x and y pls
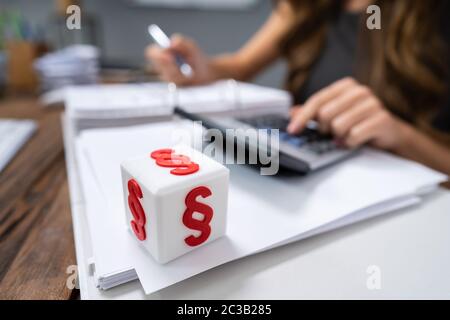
(308, 151)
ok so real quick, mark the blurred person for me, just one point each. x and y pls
(388, 88)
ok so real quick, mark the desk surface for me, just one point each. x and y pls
(36, 242)
(36, 239)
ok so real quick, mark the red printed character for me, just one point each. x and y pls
(138, 222)
(192, 205)
(168, 158)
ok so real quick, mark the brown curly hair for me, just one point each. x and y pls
(404, 63)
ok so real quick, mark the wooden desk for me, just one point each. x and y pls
(36, 238)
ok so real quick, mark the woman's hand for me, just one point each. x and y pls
(165, 65)
(353, 114)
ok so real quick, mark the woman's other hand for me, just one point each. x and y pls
(165, 63)
(353, 114)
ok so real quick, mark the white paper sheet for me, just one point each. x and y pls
(13, 135)
(263, 210)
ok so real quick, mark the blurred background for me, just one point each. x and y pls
(117, 30)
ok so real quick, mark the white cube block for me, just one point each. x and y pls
(175, 200)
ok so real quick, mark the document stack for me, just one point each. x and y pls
(93, 106)
(77, 64)
(264, 212)
(286, 208)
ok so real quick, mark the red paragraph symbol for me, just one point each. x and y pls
(201, 225)
(138, 224)
(168, 158)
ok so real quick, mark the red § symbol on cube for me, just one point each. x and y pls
(168, 158)
(138, 222)
(192, 205)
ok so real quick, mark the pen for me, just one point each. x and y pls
(164, 42)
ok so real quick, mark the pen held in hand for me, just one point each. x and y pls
(164, 42)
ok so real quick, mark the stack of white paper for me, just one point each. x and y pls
(77, 64)
(124, 104)
(264, 211)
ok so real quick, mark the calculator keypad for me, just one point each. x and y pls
(310, 139)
